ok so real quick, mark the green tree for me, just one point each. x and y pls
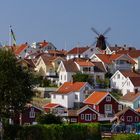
(49, 119)
(15, 85)
(80, 77)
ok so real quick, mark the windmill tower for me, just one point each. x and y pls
(101, 39)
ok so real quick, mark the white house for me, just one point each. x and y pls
(70, 94)
(119, 77)
(83, 52)
(43, 46)
(132, 84)
(131, 99)
(114, 62)
(68, 68)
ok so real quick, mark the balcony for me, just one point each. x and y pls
(106, 117)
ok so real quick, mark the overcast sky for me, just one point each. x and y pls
(67, 23)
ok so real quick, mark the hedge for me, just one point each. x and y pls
(126, 137)
(54, 132)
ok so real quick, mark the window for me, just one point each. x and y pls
(118, 76)
(136, 119)
(82, 116)
(108, 107)
(120, 107)
(62, 96)
(94, 116)
(88, 117)
(129, 118)
(32, 113)
(86, 69)
(54, 96)
(108, 98)
(76, 97)
(73, 119)
(86, 88)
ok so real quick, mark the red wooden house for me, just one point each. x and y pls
(104, 103)
(28, 116)
(127, 116)
(55, 109)
(84, 115)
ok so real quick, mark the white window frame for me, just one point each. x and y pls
(129, 118)
(88, 117)
(94, 116)
(136, 119)
(32, 113)
(82, 116)
(73, 119)
(108, 98)
(107, 109)
(120, 107)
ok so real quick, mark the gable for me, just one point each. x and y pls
(61, 67)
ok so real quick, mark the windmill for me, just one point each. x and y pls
(101, 39)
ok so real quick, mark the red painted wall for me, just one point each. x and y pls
(101, 105)
(130, 113)
(87, 111)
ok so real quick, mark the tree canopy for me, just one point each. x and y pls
(15, 85)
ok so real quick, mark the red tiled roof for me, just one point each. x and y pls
(20, 48)
(95, 97)
(135, 81)
(130, 97)
(130, 73)
(108, 58)
(132, 53)
(43, 44)
(85, 63)
(68, 87)
(50, 105)
(78, 50)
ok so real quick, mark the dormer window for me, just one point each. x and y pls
(108, 98)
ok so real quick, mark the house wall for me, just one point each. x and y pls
(137, 103)
(117, 80)
(24, 118)
(66, 100)
(112, 102)
(65, 77)
(41, 67)
(128, 87)
(130, 113)
(90, 112)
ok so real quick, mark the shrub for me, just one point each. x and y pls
(49, 119)
(55, 132)
(126, 137)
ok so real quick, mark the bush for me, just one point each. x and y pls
(126, 137)
(56, 132)
(49, 119)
